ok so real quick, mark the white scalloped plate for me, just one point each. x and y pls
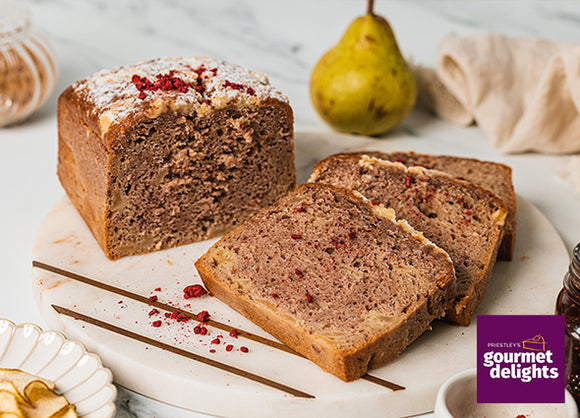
(78, 375)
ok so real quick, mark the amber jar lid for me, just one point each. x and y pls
(572, 277)
(574, 269)
(27, 64)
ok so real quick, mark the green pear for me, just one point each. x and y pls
(363, 85)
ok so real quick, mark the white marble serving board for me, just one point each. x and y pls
(527, 285)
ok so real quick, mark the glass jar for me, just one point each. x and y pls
(27, 64)
(568, 304)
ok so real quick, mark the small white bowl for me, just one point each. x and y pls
(77, 375)
(457, 398)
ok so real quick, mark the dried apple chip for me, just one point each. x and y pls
(27, 396)
(42, 402)
(7, 386)
(9, 407)
(21, 379)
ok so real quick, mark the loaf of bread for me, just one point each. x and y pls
(490, 175)
(172, 151)
(464, 219)
(332, 276)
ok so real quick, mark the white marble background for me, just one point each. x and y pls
(283, 39)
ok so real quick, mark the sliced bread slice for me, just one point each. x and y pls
(333, 277)
(464, 219)
(490, 175)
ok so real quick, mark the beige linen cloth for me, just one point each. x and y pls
(523, 93)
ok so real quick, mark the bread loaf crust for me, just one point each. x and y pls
(346, 363)
(173, 167)
(83, 163)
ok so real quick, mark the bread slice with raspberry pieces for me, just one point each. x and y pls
(332, 276)
(491, 175)
(464, 219)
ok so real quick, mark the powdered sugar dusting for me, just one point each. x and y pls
(114, 96)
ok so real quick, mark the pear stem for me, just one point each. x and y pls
(370, 4)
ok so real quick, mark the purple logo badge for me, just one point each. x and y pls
(520, 359)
